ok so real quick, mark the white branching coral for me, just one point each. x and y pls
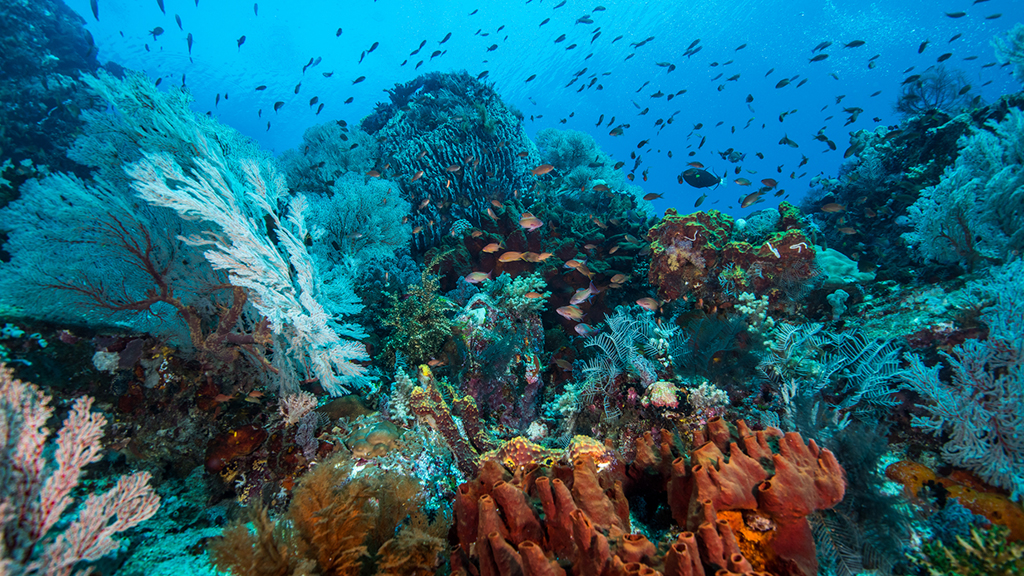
(279, 276)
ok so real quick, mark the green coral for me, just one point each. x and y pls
(510, 293)
(985, 553)
(418, 319)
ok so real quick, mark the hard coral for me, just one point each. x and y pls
(693, 257)
(465, 142)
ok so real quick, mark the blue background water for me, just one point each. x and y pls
(284, 36)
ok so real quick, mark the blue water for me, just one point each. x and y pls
(280, 39)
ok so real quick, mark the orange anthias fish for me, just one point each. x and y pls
(530, 222)
(833, 207)
(742, 181)
(652, 196)
(477, 277)
(510, 257)
(648, 303)
(373, 174)
(416, 176)
(583, 294)
(769, 182)
(570, 312)
(542, 169)
(697, 165)
(454, 168)
(492, 248)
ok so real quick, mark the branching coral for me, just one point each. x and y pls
(972, 217)
(1010, 50)
(979, 408)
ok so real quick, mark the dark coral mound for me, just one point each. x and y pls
(455, 145)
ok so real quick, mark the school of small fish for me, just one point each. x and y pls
(589, 26)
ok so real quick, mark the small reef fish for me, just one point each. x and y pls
(648, 303)
(570, 312)
(542, 169)
(510, 257)
(477, 277)
(530, 222)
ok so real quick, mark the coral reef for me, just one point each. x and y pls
(451, 144)
(695, 257)
(587, 526)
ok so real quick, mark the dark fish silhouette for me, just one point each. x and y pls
(178, 20)
(338, 33)
(546, 20)
(95, 5)
(956, 14)
(256, 9)
(701, 178)
(278, 105)
(156, 32)
(241, 41)
(446, 37)
(189, 40)
(160, 3)
(358, 80)
(854, 44)
(373, 47)
(261, 87)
